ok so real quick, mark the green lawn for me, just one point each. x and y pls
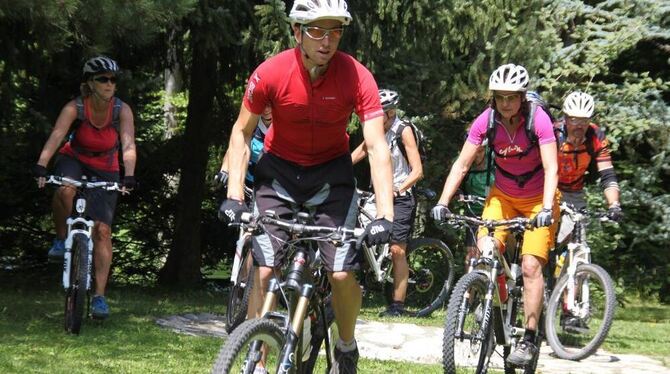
(33, 340)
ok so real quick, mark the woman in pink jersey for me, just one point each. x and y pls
(104, 128)
(525, 184)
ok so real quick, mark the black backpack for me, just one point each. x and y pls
(418, 137)
(81, 117)
(534, 100)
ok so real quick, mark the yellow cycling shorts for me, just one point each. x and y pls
(536, 242)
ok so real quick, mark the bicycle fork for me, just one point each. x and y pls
(287, 355)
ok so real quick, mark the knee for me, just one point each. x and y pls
(102, 231)
(265, 273)
(339, 277)
(398, 251)
(65, 194)
(531, 267)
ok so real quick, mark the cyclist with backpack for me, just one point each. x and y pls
(407, 171)
(103, 128)
(583, 150)
(521, 136)
(256, 147)
(313, 90)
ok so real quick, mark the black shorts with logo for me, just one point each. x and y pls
(100, 204)
(327, 191)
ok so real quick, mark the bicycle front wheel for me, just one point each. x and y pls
(431, 274)
(238, 297)
(256, 342)
(75, 296)
(576, 334)
(468, 336)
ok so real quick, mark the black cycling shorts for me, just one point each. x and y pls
(404, 210)
(327, 191)
(100, 204)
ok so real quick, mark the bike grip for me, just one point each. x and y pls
(246, 217)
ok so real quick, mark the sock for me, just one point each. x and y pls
(398, 304)
(346, 346)
(529, 335)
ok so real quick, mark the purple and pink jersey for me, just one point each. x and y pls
(514, 144)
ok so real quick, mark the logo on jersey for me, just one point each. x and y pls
(252, 86)
(511, 149)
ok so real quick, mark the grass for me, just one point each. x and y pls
(33, 340)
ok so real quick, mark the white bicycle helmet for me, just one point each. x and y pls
(509, 77)
(307, 11)
(100, 64)
(579, 104)
(389, 99)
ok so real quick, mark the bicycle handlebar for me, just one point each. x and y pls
(463, 198)
(333, 233)
(580, 214)
(64, 181)
(511, 224)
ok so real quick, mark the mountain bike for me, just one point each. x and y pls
(241, 274)
(78, 258)
(289, 341)
(580, 311)
(483, 310)
(430, 261)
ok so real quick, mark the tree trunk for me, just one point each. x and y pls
(184, 260)
(173, 81)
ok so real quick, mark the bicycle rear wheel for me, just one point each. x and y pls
(431, 274)
(238, 297)
(242, 351)
(578, 335)
(75, 296)
(468, 337)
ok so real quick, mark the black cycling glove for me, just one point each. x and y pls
(543, 218)
(221, 177)
(39, 171)
(129, 182)
(614, 213)
(231, 211)
(378, 232)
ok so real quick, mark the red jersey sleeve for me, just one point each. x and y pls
(368, 105)
(256, 96)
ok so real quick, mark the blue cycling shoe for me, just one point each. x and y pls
(57, 250)
(99, 307)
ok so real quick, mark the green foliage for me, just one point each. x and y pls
(438, 54)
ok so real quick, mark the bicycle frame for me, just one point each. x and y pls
(305, 280)
(578, 253)
(489, 263)
(245, 234)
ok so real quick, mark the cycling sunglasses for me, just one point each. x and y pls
(105, 79)
(577, 121)
(319, 33)
(506, 98)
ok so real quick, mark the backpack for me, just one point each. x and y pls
(81, 117)
(534, 100)
(419, 137)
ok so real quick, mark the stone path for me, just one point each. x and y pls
(409, 342)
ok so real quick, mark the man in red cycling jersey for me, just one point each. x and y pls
(581, 143)
(312, 89)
